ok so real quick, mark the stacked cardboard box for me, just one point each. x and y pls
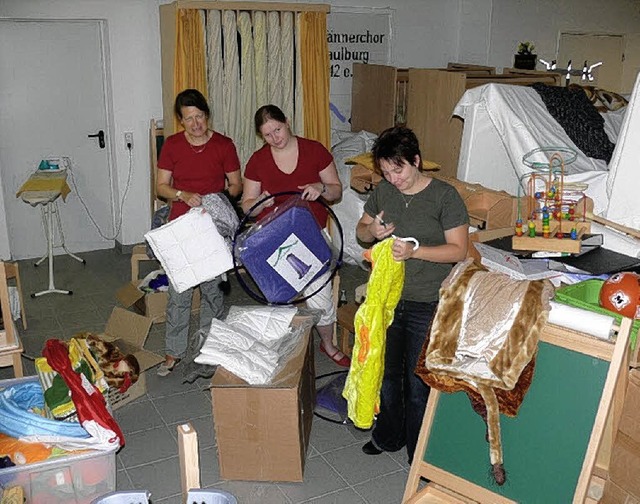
(263, 432)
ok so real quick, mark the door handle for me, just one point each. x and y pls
(100, 136)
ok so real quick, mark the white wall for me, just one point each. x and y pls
(134, 43)
(542, 21)
(425, 33)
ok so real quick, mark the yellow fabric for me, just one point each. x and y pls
(366, 159)
(374, 316)
(53, 184)
(314, 51)
(190, 67)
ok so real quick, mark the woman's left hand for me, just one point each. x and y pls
(402, 250)
(311, 192)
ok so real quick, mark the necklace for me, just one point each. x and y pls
(198, 149)
(408, 202)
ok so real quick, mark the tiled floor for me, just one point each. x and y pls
(336, 469)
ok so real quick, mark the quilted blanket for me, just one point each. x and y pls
(190, 249)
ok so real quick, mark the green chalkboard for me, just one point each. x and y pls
(544, 446)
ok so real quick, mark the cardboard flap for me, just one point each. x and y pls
(148, 359)
(127, 326)
(128, 294)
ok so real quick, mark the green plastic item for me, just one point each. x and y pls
(586, 295)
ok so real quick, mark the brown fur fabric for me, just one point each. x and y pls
(602, 99)
(119, 370)
(488, 299)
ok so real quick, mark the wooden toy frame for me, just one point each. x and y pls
(446, 487)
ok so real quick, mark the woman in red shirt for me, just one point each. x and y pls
(291, 163)
(192, 163)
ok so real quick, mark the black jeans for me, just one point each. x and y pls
(403, 397)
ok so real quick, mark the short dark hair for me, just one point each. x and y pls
(191, 98)
(396, 145)
(267, 112)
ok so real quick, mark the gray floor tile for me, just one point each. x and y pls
(123, 482)
(319, 479)
(327, 436)
(346, 496)
(385, 489)
(356, 467)
(138, 416)
(180, 408)
(161, 478)
(209, 467)
(148, 446)
(163, 386)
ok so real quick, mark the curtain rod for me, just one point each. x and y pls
(252, 6)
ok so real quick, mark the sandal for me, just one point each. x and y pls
(344, 361)
(167, 366)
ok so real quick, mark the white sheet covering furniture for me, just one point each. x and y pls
(502, 123)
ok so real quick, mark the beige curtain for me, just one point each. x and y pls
(243, 59)
(314, 52)
(190, 66)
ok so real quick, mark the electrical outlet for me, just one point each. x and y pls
(128, 140)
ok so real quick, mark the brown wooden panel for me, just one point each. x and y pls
(373, 97)
(433, 94)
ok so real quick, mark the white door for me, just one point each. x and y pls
(52, 96)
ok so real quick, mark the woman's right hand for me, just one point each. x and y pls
(267, 203)
(380, 229)
(191, 199)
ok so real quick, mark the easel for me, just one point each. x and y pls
(454, 486)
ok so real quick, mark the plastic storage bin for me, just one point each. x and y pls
(586, 295)
(71, 479)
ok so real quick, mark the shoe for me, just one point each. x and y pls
(370, 449)
(167, 366)
(344, 361)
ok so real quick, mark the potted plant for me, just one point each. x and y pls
(525, 58)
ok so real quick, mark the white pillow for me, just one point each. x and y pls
(190, 249)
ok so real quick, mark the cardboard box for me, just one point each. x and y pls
(129, 331)
(153, 304)
(625, 458)
(263, 432)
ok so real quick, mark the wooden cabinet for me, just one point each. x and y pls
(423, 100)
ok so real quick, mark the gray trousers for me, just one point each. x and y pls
(179, 314)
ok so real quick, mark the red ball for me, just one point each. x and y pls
(620, 293)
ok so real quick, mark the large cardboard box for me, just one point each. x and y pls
(129, 331)
(263, 432)
(624, 484)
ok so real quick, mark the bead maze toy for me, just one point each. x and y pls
(552, 213)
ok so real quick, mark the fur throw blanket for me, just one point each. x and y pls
(483, 341)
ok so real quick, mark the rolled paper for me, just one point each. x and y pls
(588, 322)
